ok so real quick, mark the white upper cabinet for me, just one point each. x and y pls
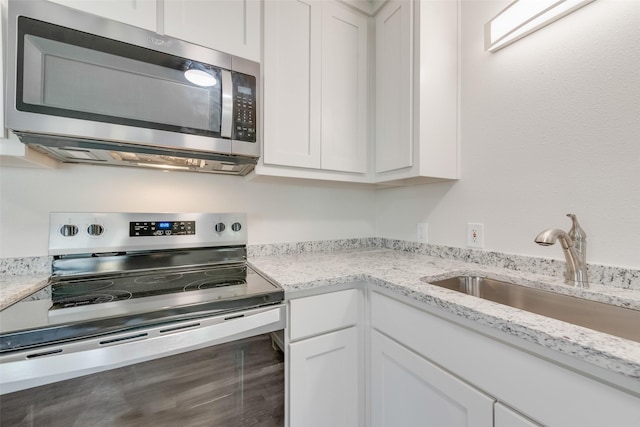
(417, 91)
(318, 100)
(140, 13)
(436, 84)
(292, 61)
(231, 26)
(315, 90)
(394, 86)
(345, 100)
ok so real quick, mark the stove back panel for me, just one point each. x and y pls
(108, 232)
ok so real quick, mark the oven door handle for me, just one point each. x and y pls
(56, 363)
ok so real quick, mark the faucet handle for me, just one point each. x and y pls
(576, 232)
(579, 237)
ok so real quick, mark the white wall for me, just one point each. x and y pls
(549, 125)
(276, 212)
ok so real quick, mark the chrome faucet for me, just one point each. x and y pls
(574, 247)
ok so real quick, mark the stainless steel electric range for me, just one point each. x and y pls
(136, 291)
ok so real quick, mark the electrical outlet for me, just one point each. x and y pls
(423, 232)
(475, 235)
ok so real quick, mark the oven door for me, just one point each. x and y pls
(222, 371)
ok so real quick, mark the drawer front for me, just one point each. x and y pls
(323, 313)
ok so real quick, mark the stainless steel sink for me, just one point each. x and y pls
(614, 320)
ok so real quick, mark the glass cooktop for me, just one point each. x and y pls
(87, 308)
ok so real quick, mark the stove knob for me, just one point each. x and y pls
(69, 230)
(95, 230)
(236, 226)
(219, 227)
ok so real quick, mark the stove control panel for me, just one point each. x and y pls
(161, 228)
(91, 233)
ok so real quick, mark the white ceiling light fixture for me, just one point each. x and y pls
(523, 17)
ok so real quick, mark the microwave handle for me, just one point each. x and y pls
(227, 104)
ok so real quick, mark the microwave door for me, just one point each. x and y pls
(91, 81)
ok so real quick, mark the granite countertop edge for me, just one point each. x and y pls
(16, 288)
(392, 270)
(408, 274)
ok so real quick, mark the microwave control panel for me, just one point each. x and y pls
(244, 107)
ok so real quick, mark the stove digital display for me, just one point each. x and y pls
(161, 228)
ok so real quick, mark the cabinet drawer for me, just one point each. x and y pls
(322, 313)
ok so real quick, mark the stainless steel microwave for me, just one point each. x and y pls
(86, 89)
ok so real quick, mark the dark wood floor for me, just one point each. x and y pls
(236, 384)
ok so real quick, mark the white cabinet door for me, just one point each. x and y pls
(437, 87)
(292, 64)
(344, 89)
(408, 390)
(417, 91)
(507, 417)
(394, 51)
(231, 26)
(323, 381)
(315, 88)
(140, 13)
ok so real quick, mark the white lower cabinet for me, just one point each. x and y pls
(407, 391)
(436, 367)
(324, 380)
(426, 367)
(507, 417)
(325, 386)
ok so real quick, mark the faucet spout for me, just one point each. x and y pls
(576, 266)
(549, 237)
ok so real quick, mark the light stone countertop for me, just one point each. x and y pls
(401, 272)
(16, 288)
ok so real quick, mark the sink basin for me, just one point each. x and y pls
(614, 320)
